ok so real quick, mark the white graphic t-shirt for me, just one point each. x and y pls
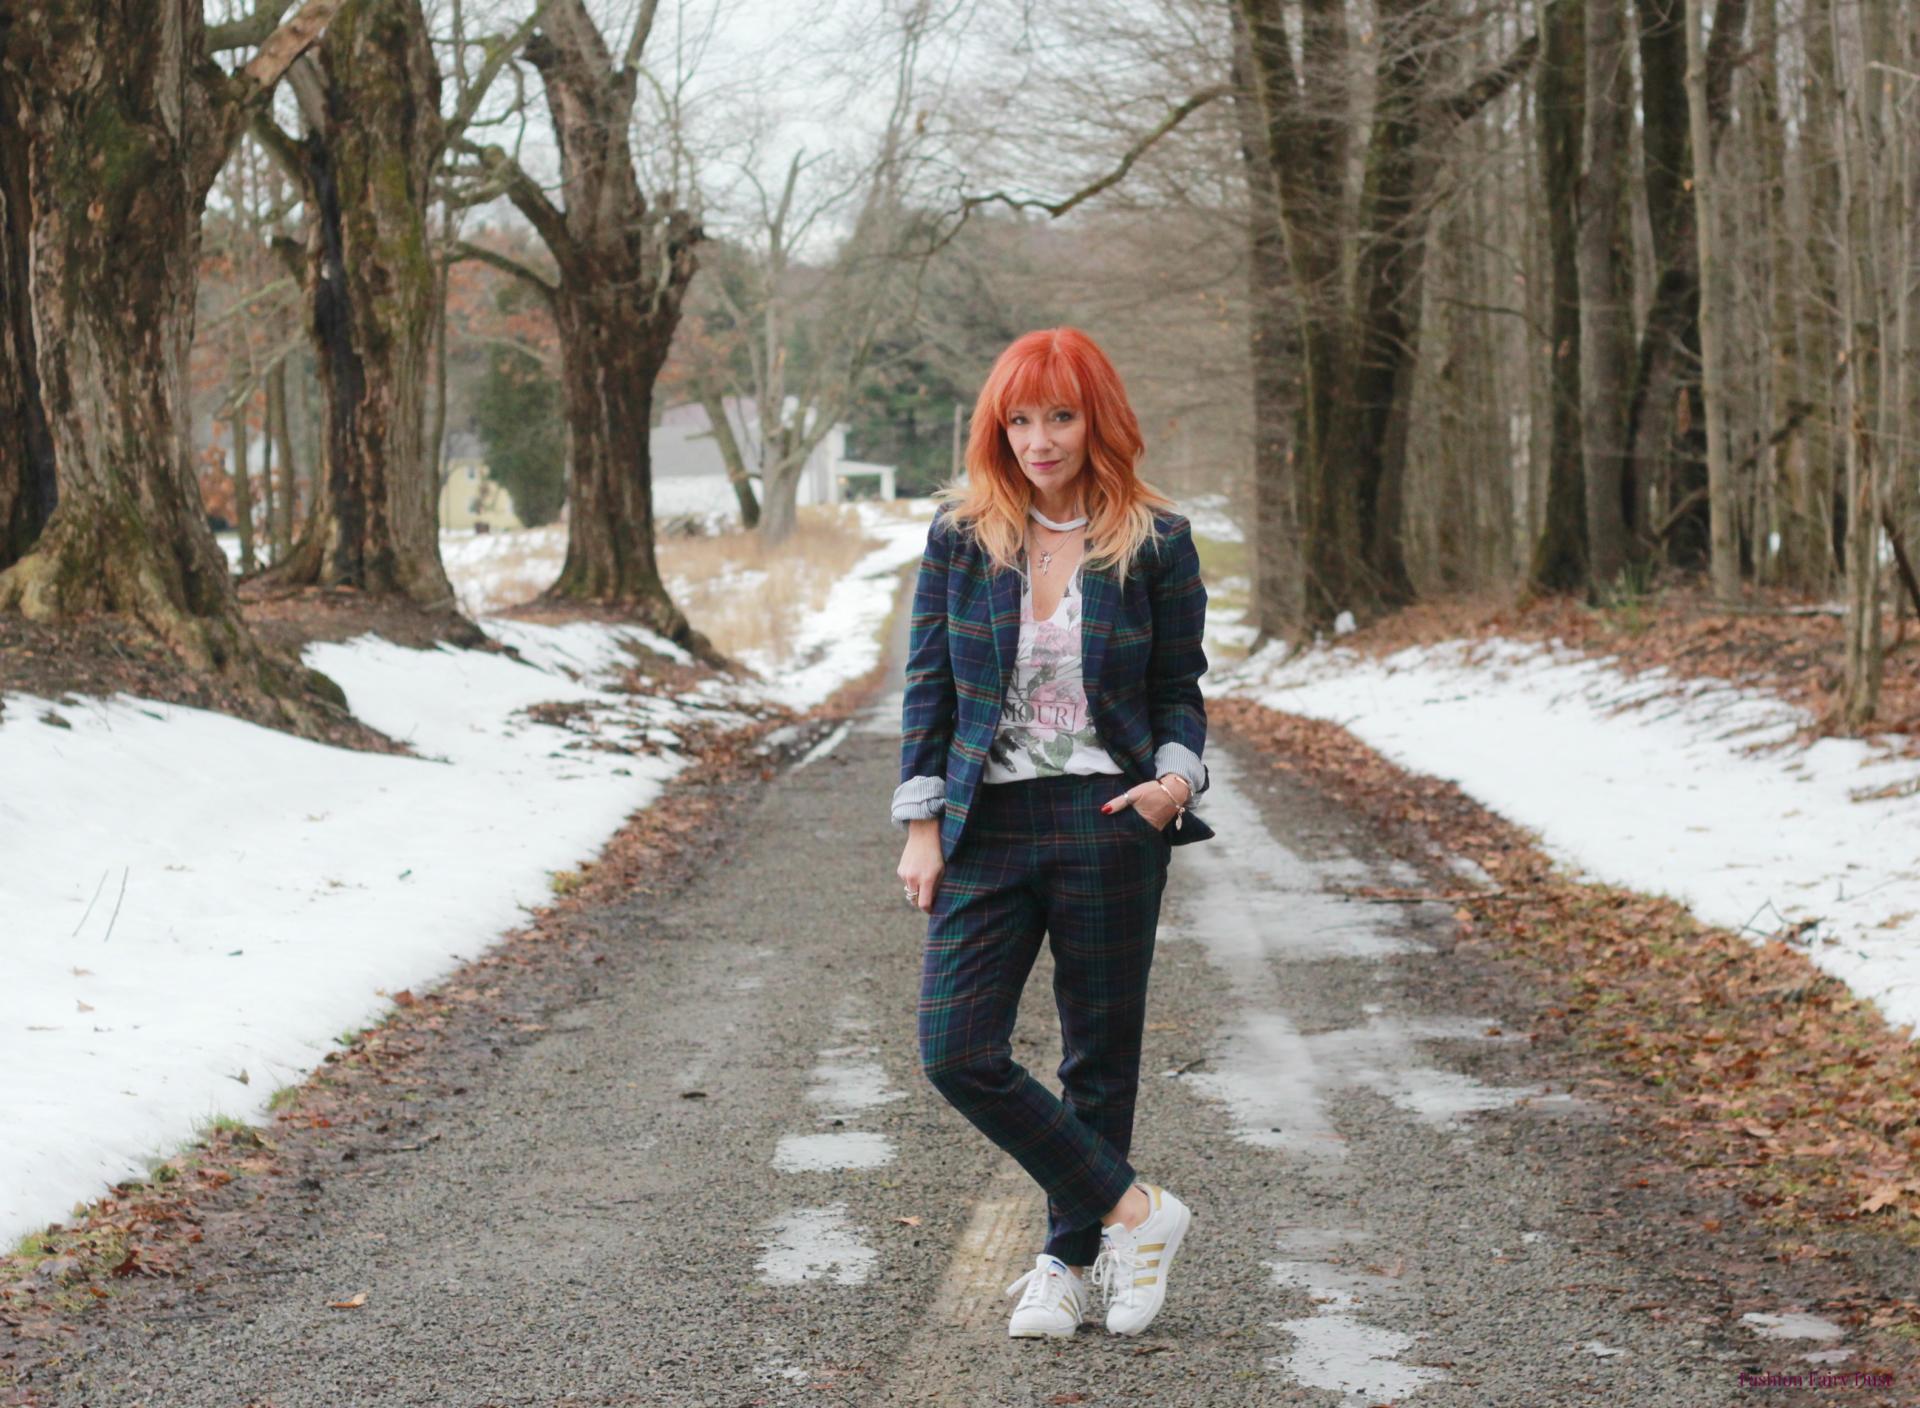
(1044, 726)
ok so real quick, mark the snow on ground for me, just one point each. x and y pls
(1212, 517)
(1687, 788)
(192, 907)
(826, 653)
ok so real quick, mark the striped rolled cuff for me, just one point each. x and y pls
(1182, 760)
(919, 799)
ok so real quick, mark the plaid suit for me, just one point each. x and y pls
(1038, 857)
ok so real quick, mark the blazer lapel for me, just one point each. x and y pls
(1097, 592)
(1005, 596)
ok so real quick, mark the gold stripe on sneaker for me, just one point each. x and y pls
(1145, 1280)
(1152, 1246)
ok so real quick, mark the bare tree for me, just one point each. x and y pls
(810, 333)
(1560, 554)
(622, 265)
(1360, 313)
(374, 135)
(1713, 371)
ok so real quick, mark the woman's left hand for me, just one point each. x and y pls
(1150, 799)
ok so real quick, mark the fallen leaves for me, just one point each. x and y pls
(1769, 1075)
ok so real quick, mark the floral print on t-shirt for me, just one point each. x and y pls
(1045, 728)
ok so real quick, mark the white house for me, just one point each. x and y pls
(689, 475)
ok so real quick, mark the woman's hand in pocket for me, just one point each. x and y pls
(1154, 803)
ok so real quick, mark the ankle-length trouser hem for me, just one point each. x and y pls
(1038, 857)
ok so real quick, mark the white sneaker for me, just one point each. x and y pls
(1055, 1301)
(1134, 1261)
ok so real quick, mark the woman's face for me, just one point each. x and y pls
(1051, 444)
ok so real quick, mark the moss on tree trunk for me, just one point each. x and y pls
(119, 140)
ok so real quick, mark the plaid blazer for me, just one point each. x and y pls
(1141, 659)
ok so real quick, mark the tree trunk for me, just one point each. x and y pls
(269, 498)
(122, 145)
(1723, 552)
(1800, 558)
(27, 481)
(1358, 342)
(1666, 465)
(1278, 608)
(623, 272)
(285, 501)
(1861, 152)
(368, 168)
(124, 131)
(611, 354)
(242, 486)
(1305, 117)
(1387, 293)
(728, 443)
(1560, 554)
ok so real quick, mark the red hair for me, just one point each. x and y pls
(1056, 367)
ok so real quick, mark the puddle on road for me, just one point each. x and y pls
(1334, 1348)
(826, 1153)
(1255, 905)
(1275, 1082)
(816, 1244)
(845, 1083)
(1791, 1325)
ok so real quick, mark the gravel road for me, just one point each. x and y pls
(723, 1181)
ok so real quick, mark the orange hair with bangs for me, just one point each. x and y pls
(1056, 367)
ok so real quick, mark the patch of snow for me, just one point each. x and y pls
(841, 641)
(827, 1153)
(814, 1244)
(1791, 1325)
(1212, 517)
(1649, 782)
(193, 906)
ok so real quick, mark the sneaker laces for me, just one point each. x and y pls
(1047, 1284)
(1114, 1267)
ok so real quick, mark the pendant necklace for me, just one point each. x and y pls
(1046, 554)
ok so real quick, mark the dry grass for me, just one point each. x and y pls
(750, 599)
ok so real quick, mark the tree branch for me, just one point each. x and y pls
(499, 53)
(244, 33)
(1112, 178)
(637, 41)
(281, 145)
(1467, 103)
(513, 182)
(288, 43)
(506, 264)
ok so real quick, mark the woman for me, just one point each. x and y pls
(1050, 749)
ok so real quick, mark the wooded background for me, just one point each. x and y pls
(1530, 295)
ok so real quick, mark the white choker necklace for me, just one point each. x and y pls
(1035, 513)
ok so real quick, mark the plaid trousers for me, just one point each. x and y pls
(1038, 856)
